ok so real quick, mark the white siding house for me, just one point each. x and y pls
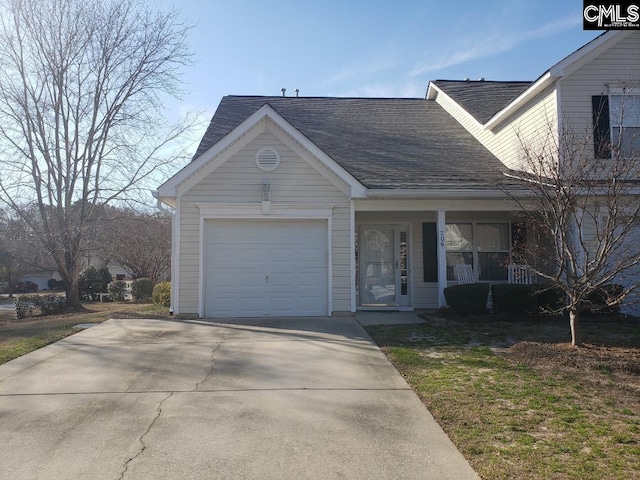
(322, 206)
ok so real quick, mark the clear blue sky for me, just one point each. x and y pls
(368, 48)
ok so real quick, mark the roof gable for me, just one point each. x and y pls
(491, 103)
(482, 99)
(384, 143)
(237, 138)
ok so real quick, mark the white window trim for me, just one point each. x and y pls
(475, 252)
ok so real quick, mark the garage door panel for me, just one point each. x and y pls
(281, 280)
(256, 268)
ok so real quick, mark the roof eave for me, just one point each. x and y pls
(431, 193)
(538, 86)
(561, 69)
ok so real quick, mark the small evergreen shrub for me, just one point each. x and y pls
(468, 299)
(142, 289)
(117, 290)
(162, 294)
(52, 283)
(508, 298)
(52, 304)
(25, 306)
(93, 281)
(28, 305)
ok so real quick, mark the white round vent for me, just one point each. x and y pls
(267, 159)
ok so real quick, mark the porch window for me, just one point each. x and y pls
(459, 244)
(484, 246)
(493, 250)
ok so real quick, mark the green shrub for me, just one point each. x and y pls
(162, 294)
(508, 298)
(116, 290)
(26, 305)
(93, 281)
(142, 289)
(468, 299)
(52, 283)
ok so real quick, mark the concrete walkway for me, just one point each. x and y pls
(263, 399)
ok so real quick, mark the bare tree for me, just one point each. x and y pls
(20, 251)
(139, 241)
(583, 216)
(81, 119)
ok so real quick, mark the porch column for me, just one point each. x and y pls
(442, 258)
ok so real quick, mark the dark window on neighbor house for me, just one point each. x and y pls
(119, 277)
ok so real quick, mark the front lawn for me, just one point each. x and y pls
(519, 402)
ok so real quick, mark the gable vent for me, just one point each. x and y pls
(267, 159)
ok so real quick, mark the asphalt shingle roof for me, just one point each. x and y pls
(480, 98)
(383, 142)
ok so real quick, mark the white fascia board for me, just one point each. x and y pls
(589, 52)
(538, 86)
(170, 187)
(432, 94)
(565, 67)
(429, 193)
(357, 189)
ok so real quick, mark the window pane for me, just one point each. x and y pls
(493, 237)
(456, 258)
(459, 236)
(627, 139)
(625, 110)
(493, 266)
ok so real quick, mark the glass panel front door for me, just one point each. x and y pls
(383, 265)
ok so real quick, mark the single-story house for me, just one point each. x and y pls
(320, 206)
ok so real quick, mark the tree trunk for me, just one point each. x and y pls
(73, 295)
(576, 336)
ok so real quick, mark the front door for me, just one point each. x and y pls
(383, 266)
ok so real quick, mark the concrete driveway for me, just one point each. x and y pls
(263, 399)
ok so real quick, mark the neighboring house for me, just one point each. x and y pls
(40, 278)
(319, 206)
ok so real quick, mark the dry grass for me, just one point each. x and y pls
(520, 402)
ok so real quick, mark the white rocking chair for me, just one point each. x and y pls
(520, 274)
(464, 274)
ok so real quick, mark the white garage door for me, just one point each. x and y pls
(258, 268)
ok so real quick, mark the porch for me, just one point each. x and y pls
(405, 259)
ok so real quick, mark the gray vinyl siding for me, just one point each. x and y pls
(616, 67)
(239, 181)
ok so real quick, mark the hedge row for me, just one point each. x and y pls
(30, 305)
(472, 299)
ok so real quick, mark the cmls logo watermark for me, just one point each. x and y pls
(611, 15)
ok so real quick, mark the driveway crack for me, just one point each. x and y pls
(143, 445)
(213, 364)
